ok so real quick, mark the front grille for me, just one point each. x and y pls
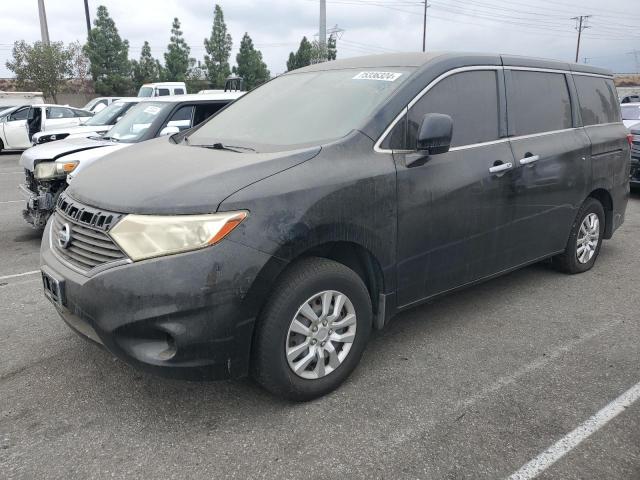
(90, 246)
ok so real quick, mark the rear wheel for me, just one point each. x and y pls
(313, 330)
(585, 239)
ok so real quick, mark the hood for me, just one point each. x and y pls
(57, 149)
(164, 178)
(631, 123)
(87, 157)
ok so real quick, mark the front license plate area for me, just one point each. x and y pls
(53, 288)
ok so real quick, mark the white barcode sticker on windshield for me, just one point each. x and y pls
(152, 109)
(382, 76)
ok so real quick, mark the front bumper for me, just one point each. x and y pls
(38, 208)
(187, 316)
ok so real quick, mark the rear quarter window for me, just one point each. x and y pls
(538, 102)
(598, 102)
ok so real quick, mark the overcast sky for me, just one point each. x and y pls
(527, 27)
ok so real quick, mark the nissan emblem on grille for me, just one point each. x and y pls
(64, 236)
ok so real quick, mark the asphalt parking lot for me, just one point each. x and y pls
(474, 385)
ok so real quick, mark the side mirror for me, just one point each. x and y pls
(169, 131)
(435, 134)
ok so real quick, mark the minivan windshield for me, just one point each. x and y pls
(109, 115)
(137, 121)
(302, 108)
(145, 92)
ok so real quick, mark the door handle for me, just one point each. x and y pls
(501, 167)
(531, 159)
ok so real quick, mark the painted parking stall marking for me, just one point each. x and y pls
(15, 275)
(570, 441)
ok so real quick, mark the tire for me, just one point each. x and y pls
(569, 261)
(301, 285)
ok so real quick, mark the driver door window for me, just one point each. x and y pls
(181, 118)
(470, 99)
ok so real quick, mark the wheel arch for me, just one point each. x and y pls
(606, 200)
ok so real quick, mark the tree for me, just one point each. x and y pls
(302, 57)
(218, 48)
(41, 67)
(250, 65)
(177, 60)
(109, 56)
(145, 70)
(332, 48)
(80, 68)
(319, 53)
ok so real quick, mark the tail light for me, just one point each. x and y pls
(630, 139)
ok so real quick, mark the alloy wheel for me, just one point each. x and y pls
(321, 334)
(588, 237)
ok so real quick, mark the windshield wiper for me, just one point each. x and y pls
(229, 148)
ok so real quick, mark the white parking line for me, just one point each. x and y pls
(11, 173)
(6, 277)
(12, 201)
(563, 446)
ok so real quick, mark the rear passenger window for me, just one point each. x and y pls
(178, 91)
(59, 112)
(469, 98)
(539, 102)
(598, 102)
(163, 92)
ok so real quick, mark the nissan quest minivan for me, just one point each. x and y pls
(273, 238)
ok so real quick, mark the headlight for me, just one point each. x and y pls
(45, 170)
(147, 236)
(51, 170)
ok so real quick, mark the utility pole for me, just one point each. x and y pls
(322, 33)
(424, 26)
(581, 24)
(86, 14)
(44, 30)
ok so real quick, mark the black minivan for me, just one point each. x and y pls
(274, 237)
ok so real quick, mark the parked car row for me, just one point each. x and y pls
(60, 155)
(273, 238)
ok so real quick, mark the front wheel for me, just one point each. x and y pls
(585, 239)
(313, 330)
